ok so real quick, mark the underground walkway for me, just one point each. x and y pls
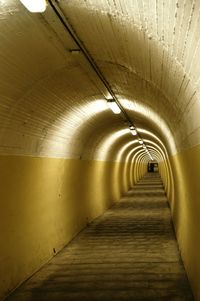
(129, 253)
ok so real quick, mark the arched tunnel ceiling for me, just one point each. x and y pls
(149, 52)
(52, 105)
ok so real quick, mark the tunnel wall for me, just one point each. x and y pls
(46, 202)
(165, 177)
(183, 194)
(185, 211)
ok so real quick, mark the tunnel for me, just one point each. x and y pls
(100, 126)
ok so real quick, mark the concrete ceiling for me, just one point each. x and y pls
(52, 103)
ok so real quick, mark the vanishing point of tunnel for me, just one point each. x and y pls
(100, 150)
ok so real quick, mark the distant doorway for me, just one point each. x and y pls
(153, 166)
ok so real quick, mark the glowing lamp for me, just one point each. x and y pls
(114, 106)
(133, 130)
(35, 6)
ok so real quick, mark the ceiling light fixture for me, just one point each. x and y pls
(140, 141)
(114, 106)
(150, 156)
(75, 51)
(133, 130)
(35, 6)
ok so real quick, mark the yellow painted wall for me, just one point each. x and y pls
(136, 171)
(186, 212)
(44, 203)
(184, 198)
(164, 174)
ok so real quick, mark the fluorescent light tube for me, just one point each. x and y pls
(133, 130)
(35, 6)
(114, 107)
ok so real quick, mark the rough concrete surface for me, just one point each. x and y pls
(129, 253)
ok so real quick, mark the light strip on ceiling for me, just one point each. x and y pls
(35, 6)
(114, 106)
(133, 130)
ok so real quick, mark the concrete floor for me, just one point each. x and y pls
(129, 253)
